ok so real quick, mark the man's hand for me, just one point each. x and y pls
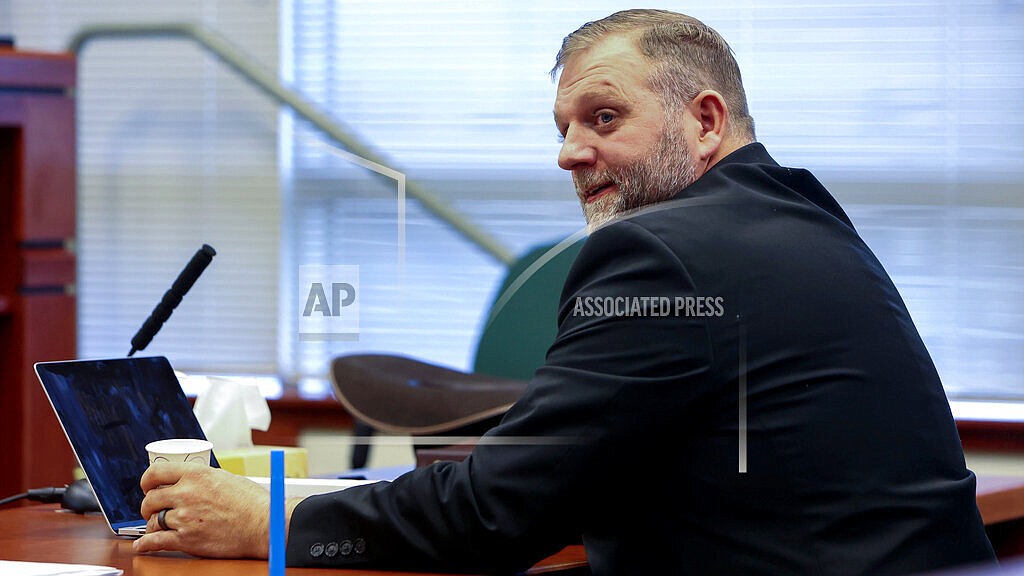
(210, 512)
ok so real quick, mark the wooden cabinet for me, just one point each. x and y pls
(37, 266)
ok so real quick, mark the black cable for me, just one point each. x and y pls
(52, 494)
(14, 498)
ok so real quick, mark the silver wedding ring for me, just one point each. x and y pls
(161, 519)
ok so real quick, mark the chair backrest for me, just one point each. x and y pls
(522, 322)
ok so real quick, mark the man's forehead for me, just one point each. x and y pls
(614, 54)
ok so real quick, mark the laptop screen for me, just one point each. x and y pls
(110, 410)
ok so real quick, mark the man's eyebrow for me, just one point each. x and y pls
(602, 91)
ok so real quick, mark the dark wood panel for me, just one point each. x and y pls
(293, 414)
(46, 198)
(47, 269)
(36, 70)
(37, 220)
(991, 436)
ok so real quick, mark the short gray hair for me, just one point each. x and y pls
(687, 56)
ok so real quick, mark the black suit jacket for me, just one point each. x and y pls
(779, 415)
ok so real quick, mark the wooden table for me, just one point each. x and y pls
(1001, 503)
(41, 533)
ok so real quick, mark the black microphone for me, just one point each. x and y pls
(172, 297)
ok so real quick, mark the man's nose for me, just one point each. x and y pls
(577, 151)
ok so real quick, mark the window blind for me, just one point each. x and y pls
(907, 110)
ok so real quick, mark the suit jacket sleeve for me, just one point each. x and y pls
(611, 383)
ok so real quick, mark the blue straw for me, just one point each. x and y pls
(277, 513)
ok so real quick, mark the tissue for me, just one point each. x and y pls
(228, 410)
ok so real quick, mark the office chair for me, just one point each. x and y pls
(401, 395)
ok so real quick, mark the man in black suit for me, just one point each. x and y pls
(736, 386)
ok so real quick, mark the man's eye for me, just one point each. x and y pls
(605, 117)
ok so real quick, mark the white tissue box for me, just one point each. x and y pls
(255, 461)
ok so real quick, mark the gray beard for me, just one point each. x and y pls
(654, 177)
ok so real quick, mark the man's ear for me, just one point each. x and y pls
(712, 117)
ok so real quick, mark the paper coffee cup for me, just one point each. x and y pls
(180, 450)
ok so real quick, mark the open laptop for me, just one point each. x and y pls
(110, 410)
